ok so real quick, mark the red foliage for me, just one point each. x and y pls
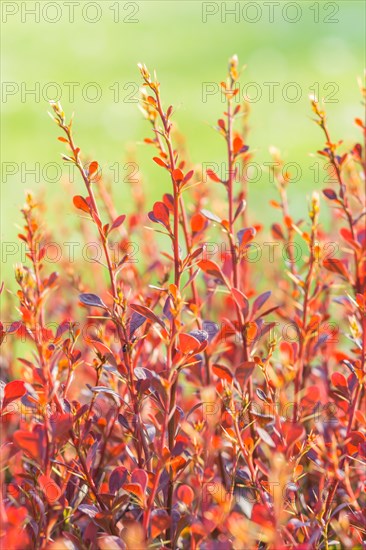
(203, 400)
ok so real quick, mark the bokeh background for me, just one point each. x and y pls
(188, 43)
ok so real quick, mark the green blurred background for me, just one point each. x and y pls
(325, 46)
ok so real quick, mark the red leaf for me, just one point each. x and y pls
(99, 346)
(246, 235)
(177, 463)
(61, 426)
(147, 313)
(13, 390)
(81, 203)
(222, 372)
(159, 522)
(361, 300)
(330, 194)
(188, 343)
(211, 268)
(221, 123)
(50, 488)
(188, 176)
(353, 442)
(260, 301)
(118, 221)
(261, 516)
(277, 231)
(237, 144)
(93, 168)
(185, 494)
(339, 381)
(244, 372)
(240, 299)
(288, 221)
(168, 200)
(161, 213)
(212, 175)
(292, 432)
(30, 442)
(346, 234)
(135, 489)
(357, 151)
(336, 266)
(160, 162)
(177, 175)
(198, 223)
(117, 478)
(311, 396)
(140, 476)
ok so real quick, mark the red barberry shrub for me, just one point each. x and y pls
(197, 398)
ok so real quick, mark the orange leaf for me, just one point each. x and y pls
(50, 488)
(135, 489)
(177, 175)
(211, 268)
(353, 442)
(160, 162)
(93, 168)
(238, 144)
(288, 221)
(198, 223)
(177, 463)
(81, 203)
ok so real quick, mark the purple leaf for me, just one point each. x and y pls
(91, 300)
(260, 301)
(118, 221)
(136, 321)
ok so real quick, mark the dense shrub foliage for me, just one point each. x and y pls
(209, 395)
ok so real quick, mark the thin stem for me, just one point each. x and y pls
(342, 193)
(302, 345)
(230, 191)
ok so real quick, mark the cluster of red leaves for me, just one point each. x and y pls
(185, 416)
